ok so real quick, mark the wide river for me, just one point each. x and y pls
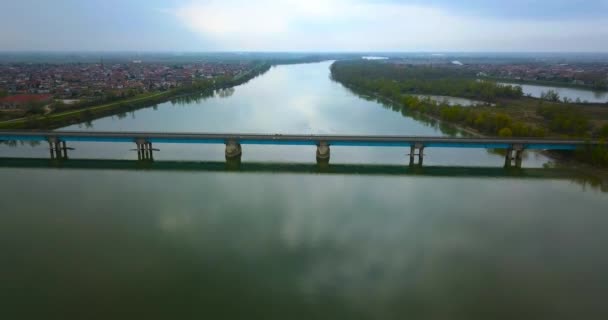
(93, 241)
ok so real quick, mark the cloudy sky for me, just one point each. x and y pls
(304, 25)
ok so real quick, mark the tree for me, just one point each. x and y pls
(600, 84)
(60, 105)
(34, 108)
(604, 131)
(550, 95)
(505, 132)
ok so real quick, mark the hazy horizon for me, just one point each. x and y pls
(444, 26)
(177, 51)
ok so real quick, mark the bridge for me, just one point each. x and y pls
(144, 140)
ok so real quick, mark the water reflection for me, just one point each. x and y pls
(298, 246)
(445, 128)
(225, 93)
(191, 98)
(452, 101)
(573, 94)
(552, 172)
(15, 144)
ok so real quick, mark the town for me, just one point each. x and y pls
(592, 75)
(561, 72)
(23, 85)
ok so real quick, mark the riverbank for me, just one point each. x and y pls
(53, 121)
(472, 132)
(80, 115)
(518, 116)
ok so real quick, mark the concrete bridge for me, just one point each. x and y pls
(144, 140)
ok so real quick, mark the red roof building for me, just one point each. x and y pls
(19, 100)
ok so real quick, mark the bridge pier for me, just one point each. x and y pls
(323, 152)
(418, 147)
(514, 156)
(144, 150)
(233, 150)
(58, 149)
(233, 164)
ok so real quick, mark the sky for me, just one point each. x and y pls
(304, 25)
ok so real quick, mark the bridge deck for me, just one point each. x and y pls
(295, 139)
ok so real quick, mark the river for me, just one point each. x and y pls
(105, 242)
(570, 93)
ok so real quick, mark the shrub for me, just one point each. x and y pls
(505, 132)
(603, 133)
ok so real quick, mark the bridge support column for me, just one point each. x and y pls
(52, 149)
(323, 152)
(144, 150)
(233, 150)
(519, 157)
(58, 149)
(514, 156)
(509, 158)
(150, 151)
(233, 164)
(418, 147)
(412, 154)
(64, 147)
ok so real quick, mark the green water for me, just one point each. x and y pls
(114, 239)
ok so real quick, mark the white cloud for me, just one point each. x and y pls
(358, 25)
(245, 18)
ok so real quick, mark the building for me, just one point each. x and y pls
(22, 100)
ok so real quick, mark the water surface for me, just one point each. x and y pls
(106, 240)
(452, 101)
(570, 93)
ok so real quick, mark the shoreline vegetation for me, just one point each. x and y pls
(507, 113)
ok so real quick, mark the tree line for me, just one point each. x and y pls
(390, 78)
(486, 122)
